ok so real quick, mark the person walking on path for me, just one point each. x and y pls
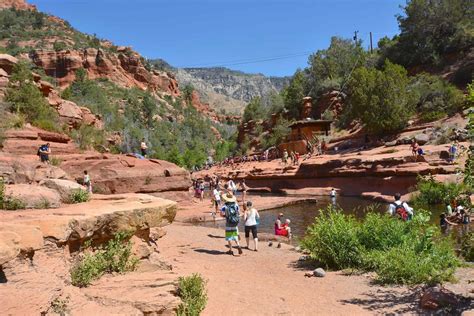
(87, 182)
(400, 209)
(143, 148)
(284, 158)
(251, 218)
(216, 197)
(230, 211)
(202, 187)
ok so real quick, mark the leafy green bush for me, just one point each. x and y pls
(432, 192)
(116, 256)
(467, 246)
(399, 252)
(55, 161)
(332, 239)
(427, 117)
(8, 202)
(192, 291)
(436, 97)
(78, 196)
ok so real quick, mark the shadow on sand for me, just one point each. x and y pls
(406, 302)
(210, 252)
(215, 236)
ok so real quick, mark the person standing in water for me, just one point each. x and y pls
(251, 217)
(230, 211)
(244, 187)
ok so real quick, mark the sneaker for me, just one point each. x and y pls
(240, 250)
(279, 245)
(270, 244)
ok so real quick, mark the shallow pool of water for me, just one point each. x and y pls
(302, 215)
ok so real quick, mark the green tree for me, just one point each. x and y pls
(188, 93)
(254, 110)
(430, 29)
(278, 134)
(380, 99)
(26, 99)
(328, 68)
(293, 95)
(59, 46)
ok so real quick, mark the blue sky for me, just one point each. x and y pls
(229, 32)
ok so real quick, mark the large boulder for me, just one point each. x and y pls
(64, 187)
(7, 62)
(9, 248)
(438, 297)
(111, 174)
(34, 196)
(26, 238)
(421, 138)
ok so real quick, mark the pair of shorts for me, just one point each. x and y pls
(252, 228)
(231, 233)
(281, 232)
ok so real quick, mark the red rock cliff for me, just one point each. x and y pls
(124, 68)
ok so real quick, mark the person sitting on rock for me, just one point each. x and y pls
(143, 148)
(282, 229)
(44, 151)
(400, 209)
(414, 149)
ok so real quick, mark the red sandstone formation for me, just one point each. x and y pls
(17, 4)
(110, 173)
(332, 101)
(124, 68)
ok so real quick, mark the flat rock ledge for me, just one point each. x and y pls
(99, 220)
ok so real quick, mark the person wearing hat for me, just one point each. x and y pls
(230, 211)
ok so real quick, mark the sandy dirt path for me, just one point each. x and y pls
(269, 283)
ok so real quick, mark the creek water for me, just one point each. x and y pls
(303, 214)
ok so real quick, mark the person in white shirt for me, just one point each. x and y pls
(217, 198)
(251, 219)
(232, 187)
(400, 209)
(332, 193)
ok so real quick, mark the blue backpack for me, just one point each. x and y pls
(232, 214)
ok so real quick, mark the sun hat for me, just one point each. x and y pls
(229, 198)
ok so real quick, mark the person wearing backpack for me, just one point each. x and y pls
(230, 211)
(400, 209)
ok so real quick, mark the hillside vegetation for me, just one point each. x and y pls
(173, 129)
(385, 88)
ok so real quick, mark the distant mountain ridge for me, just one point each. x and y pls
(225, 89)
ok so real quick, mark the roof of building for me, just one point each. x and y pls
(310, 122)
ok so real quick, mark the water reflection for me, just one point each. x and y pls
(302, 215)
